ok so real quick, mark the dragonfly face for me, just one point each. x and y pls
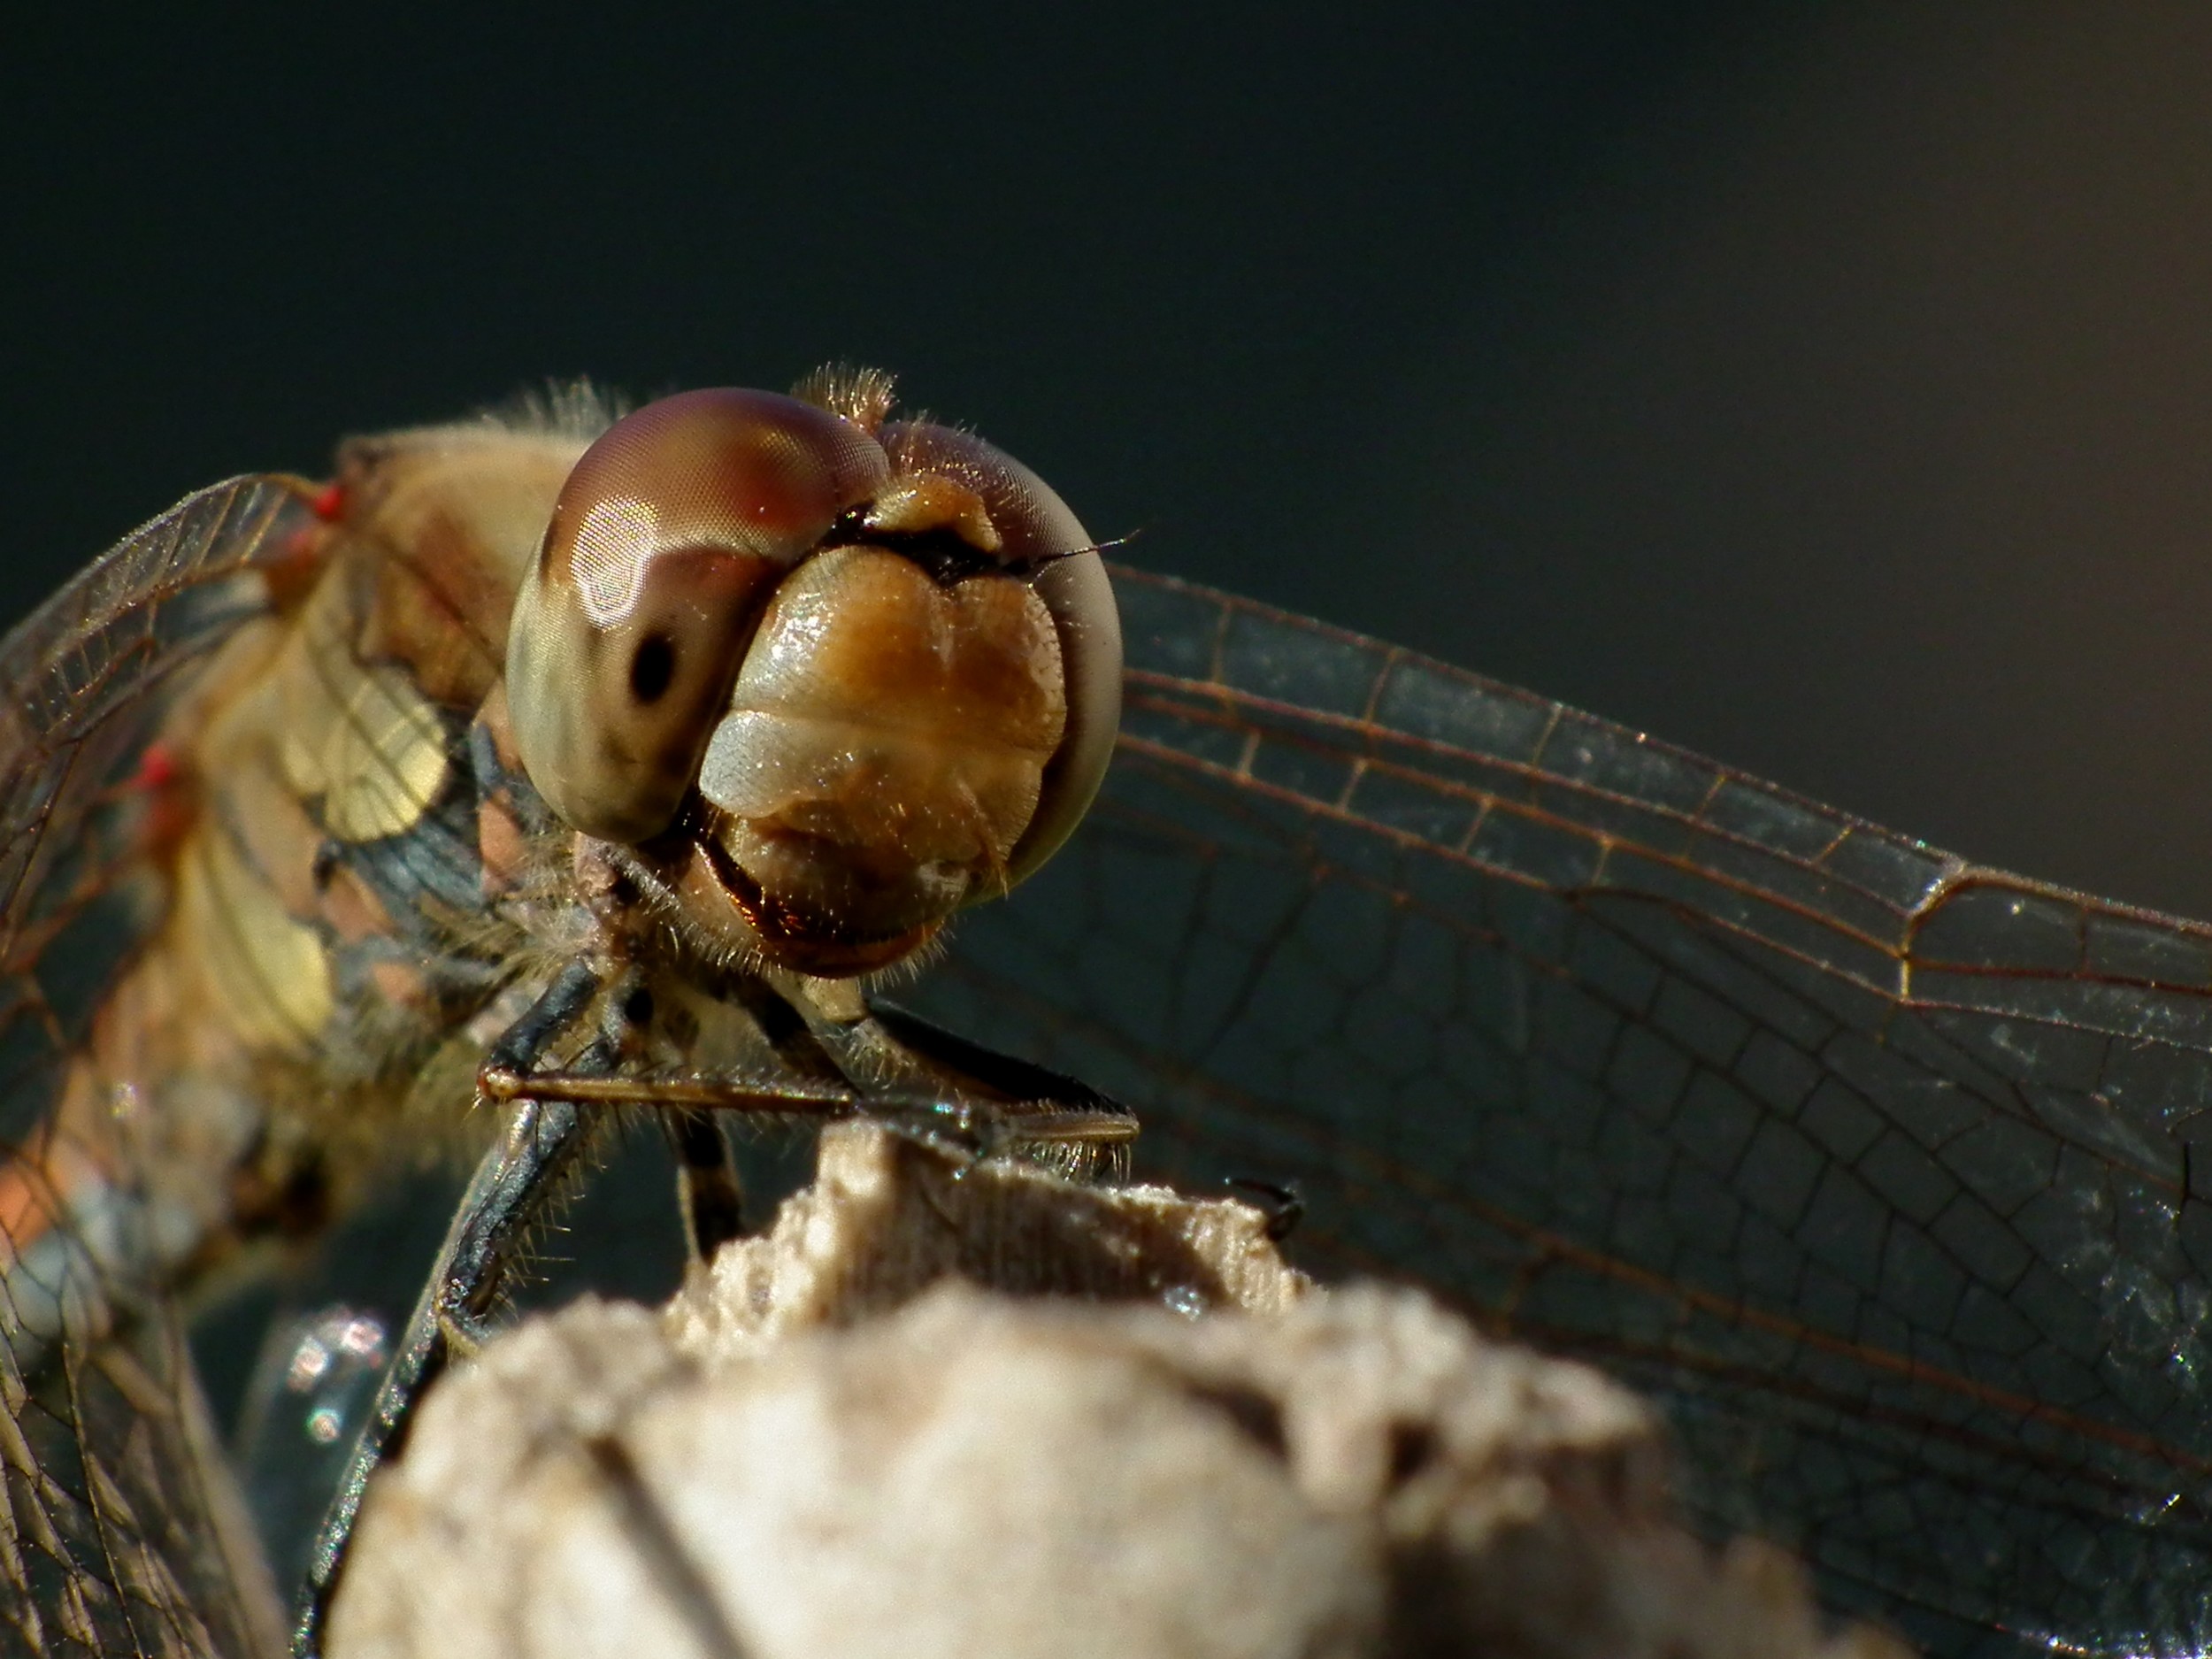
(1879, 1170)
(873, 668)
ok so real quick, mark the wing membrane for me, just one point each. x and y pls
(1883, 1170)
(120, 1532)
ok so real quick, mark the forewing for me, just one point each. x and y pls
(120, 1532)
(1874, 1166)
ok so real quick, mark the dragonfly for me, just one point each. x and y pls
(1878, 1169)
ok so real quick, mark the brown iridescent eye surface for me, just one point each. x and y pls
(887, 662)
(664, 544)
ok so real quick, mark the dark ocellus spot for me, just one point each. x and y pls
(653, 670)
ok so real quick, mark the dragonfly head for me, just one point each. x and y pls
(837, 677)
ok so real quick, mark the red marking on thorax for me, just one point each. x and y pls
(165, 781)
(157, 768)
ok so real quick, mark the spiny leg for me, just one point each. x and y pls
(546, 1137)
(1041, 1108)
(1013, 1078)
(1019, 1104)
(707, 1187)
(710, 1195)
(880, 1059)
(984, 1127)
(542, 1141)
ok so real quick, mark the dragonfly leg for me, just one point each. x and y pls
(1036, 1105)
(544, 1142)
(881, 1060)
(893, 1063)
(986, 1125)
(710, 1195)
(707, 1187)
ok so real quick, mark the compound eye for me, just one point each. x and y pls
(1036, 530)
(663, 546)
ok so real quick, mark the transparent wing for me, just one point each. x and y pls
(118, 1531)
(1875, 1167)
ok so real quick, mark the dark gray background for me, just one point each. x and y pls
(1828, 388)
